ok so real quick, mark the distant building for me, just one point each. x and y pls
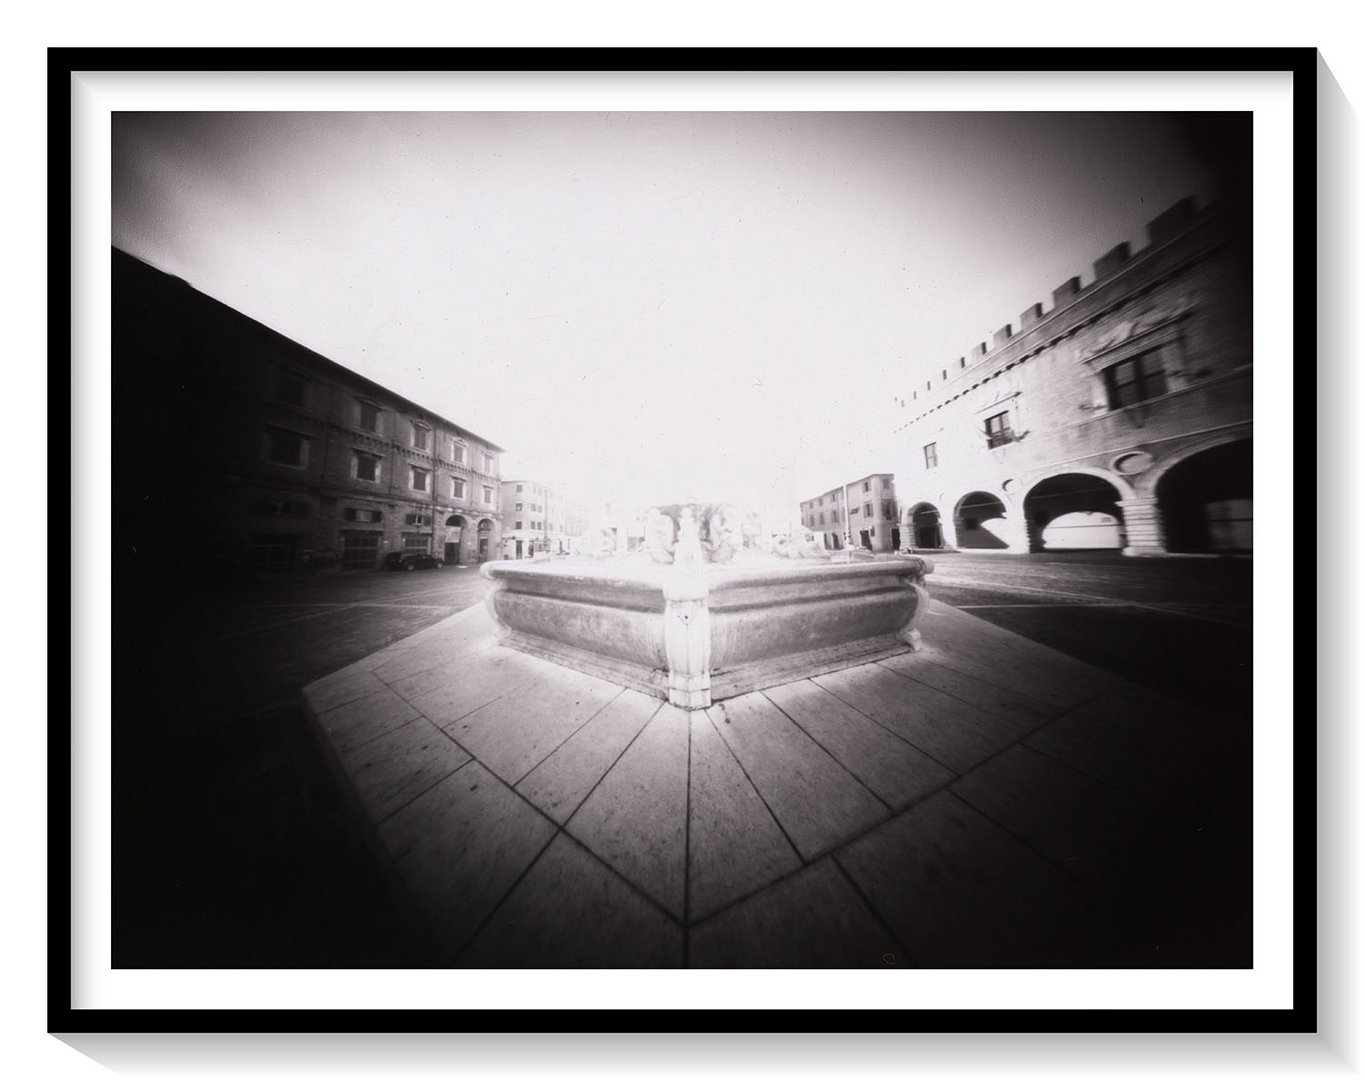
(238, 449)
(1120, 418)
(538, 520)
(862, 514)
(617, 527)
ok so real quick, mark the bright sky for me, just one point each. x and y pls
(646, 306)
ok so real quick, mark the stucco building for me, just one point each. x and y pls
(863, 514)
(1119, 418)
(239, 450)
(536, 520)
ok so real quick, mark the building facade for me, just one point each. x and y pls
(240, 450)
(862, 514)
(1118, 419)
(538, 520)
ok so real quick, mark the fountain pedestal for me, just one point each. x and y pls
(694, 632)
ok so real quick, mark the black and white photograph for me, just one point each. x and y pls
(558, 536)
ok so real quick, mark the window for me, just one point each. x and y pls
(289, 387)
(833, 515)
(418, 519)
(456, 487)
(1140, 378)
(887, 511)
(998, 430)
(851, 511)
(365, 466)
(487, 495)
(488, 463)
(931, 456)
(280, 508)
(457, 453)
(866, 509)
(866, 485)
(519, 507)
(421, 436)
(519, 488)
(821, 517)
(286, 447)
(518, 524)
(368, 416)
(352, 513)
(419, 478)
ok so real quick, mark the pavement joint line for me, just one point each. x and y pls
(971, 704)
(686, 858)
(875, 913)
(968, 583)
(913, 745)
(855, 777)
(619, 690)
(1067, 873)
(946, 662)
(502, 900)
(770, 812)
(423, 791)
(558, 831)
(974, 607)
(615, 761)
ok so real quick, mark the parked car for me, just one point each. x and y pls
(412, 560)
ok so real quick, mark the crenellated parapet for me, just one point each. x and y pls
(1174, 237)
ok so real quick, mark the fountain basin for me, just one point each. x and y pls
(695, 635)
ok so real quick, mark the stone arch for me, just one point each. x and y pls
(1078, 509)
(923, 525)
(1150, 482)
(457, 544)
(487, 539)
(1205, 498)
(979, 522)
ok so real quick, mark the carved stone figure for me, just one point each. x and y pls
(660, 535)
(720, 536)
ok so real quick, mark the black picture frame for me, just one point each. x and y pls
(65, 63)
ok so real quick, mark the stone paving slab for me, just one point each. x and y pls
(513, 734)
(390, 771)
(960, 806)
(890, 768)
(448, 694)
(461, 846)
(560, 783)
(342, 687)
(735, 844)
(813, 919)
(1001, 658)
(348, 726)
(817, 801)
(951, 731)
(959, 891)
(1138, 763)
(1010, 704)
(571, 911)
(636, 819)
(1080, 823)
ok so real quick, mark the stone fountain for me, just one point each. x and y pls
(694, 620)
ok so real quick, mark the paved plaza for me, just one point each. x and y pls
(985, 802)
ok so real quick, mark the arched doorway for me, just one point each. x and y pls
(925, 526)
(1074, 511)
(456, 540)
(979, 522)
(485, 540)
(1205, 500)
